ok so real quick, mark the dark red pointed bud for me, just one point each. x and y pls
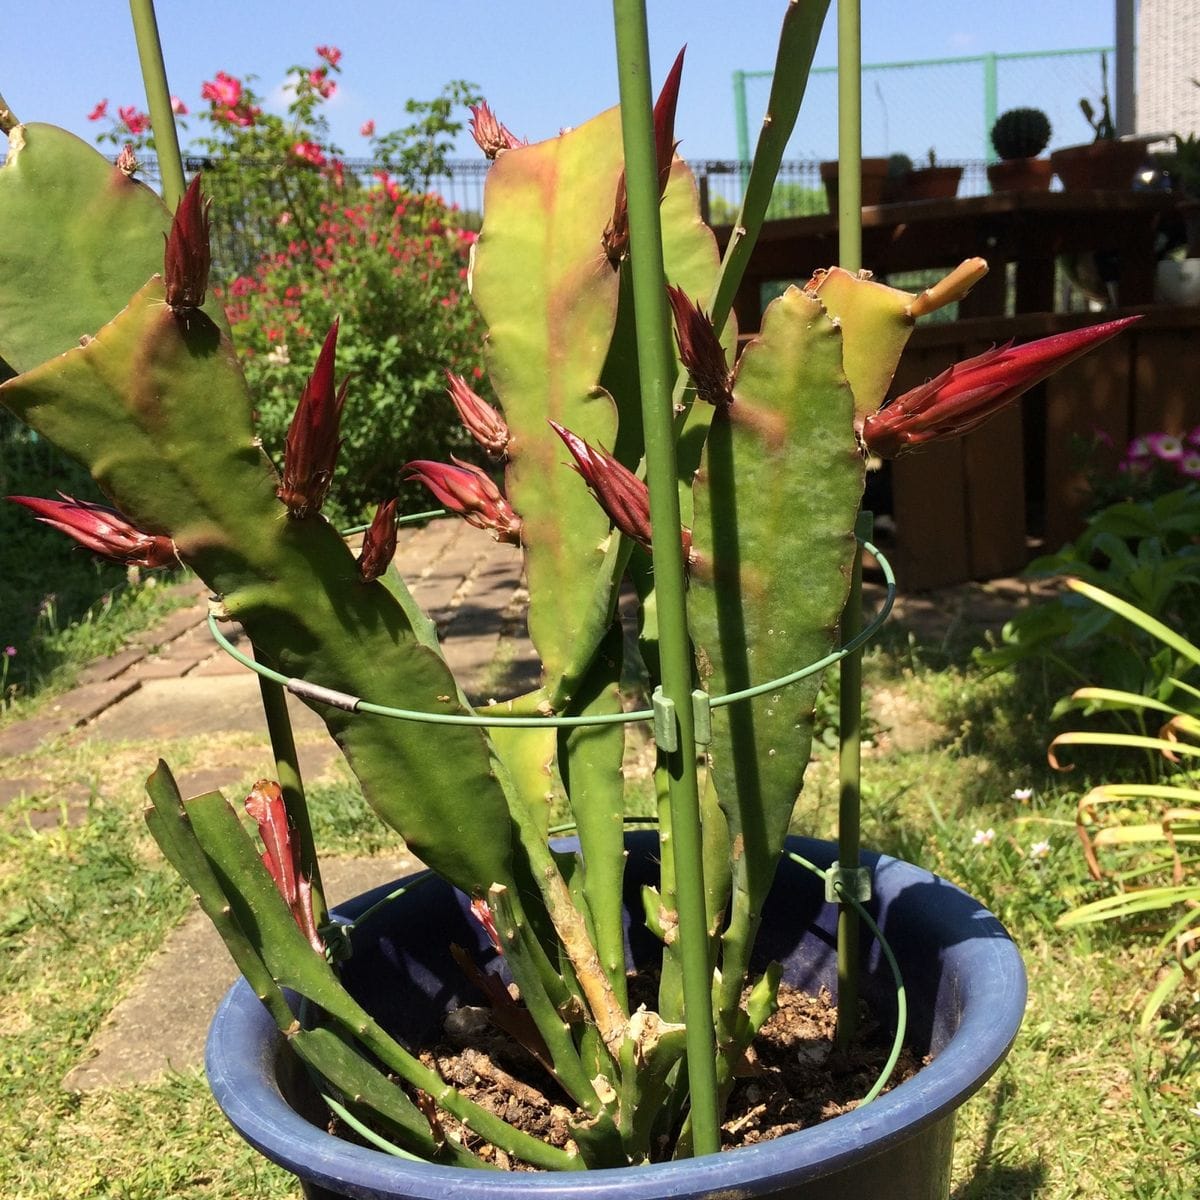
(700, 350)
(963, 396)
(479, 418)
(490, 135)
(379, 543)
(616, 235)
(188, 257)
(310, 452)
(469, 492)
(281, 856)
(622, 495)
(102, 530)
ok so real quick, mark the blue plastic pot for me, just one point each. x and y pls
(966, 995)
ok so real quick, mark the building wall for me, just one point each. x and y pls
(1168, 60)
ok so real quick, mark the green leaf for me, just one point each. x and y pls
(1142, 620)
(548, 294)
(78, 237)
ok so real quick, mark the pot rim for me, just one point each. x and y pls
(243, 1044)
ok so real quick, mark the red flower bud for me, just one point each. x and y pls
(963, 396)
(700, 350)
(102, 530)
(616, 235)
(188, 256)
(481, 911)
(469, 492)
(479, 418)
(490, 135)
(281, 856)
(622, 495)
(310, 452)
(379, 543)
(127, 162)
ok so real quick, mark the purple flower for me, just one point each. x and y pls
(1165, 446)
(10, 652)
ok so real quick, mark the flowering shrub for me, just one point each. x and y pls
(303, 242)
(393, 266)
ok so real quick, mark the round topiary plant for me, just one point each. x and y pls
(1021, 133)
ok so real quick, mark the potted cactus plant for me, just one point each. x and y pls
(740, 542)
(934, 181)
(1107, 162)
(1018, 137)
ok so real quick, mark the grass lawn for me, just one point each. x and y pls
(1085, 1107)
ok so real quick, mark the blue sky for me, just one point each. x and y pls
(548, 63)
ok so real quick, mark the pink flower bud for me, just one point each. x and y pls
(622, 495)
(700, 350)
(178, 107)
(482, 912)
(479, 418)
(102, 530)
(188, 257)
(100, 111)
(963, 396)
(127, 162)
(490, 136)
(469, 492)
(367, 128)
(379, 543)
(310, 452)
(281, 856)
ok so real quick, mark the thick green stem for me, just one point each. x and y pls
(849, 135)
(158, 99)
(287, 772)
(849, 807)
(797, 44)
(656, 367)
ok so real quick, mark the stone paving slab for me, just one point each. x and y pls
(104, 669)
(160, 1026)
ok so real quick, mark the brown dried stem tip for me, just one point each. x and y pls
(310, 452)
(188, 256)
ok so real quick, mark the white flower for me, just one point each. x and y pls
(1023, 794)
(279, 357)
(983, 837)
(1195, 1109)
(1039, 850)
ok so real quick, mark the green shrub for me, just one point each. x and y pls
(393, 266)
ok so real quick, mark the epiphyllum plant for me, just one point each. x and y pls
(755, 476)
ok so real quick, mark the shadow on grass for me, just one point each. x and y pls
(994, 1180)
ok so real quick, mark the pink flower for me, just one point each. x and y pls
(1189, 465)
(10, 652)
(963, 396)
(367, 129)
(102, 530)
(331, 54)
(178, 107)
(1165, 446)
(309, 152)
(224, 91)
(320, 83)
(136, 122)
(101, 110)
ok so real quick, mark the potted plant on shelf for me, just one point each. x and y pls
(1177, 279)
(1107, 162)
(877, 174)
(1018, 137)
(740, 543)
(934, 181)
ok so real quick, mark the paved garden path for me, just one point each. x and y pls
(172, 689)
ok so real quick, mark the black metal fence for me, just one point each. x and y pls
(243, 227)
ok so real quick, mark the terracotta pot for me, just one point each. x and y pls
(874, 181)
(931, 183)
(1021, 175)
(965, 988)
(1106, 165)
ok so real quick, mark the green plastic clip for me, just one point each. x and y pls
(843, 884)
(666, 733)
(703, 717)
